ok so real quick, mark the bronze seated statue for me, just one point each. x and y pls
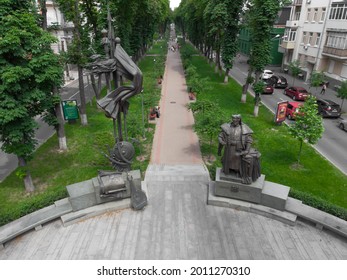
(239, 160)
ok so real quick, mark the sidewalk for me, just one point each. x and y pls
(175, 141)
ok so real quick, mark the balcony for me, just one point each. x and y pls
(67, 26)
(292, 23)
(297, 2)
(289, 45)
(337, 53)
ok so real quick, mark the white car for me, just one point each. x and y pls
(343, 124)
(266, 74)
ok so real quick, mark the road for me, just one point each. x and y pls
(9, 162)
(333, 144)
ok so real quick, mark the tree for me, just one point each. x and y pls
(342, 92)
(29, 70)
(54, 117)
(258, 90)
(215, 15)
(78, 51)
(230, 42)
(317, 79)
(308, 125)
(208, 118)
(260, 20)
(295, 69)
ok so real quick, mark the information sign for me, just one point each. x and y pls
(70, 109)
(280, 115)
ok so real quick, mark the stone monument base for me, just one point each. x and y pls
(89, 193)
(231, 186)
(260, 192)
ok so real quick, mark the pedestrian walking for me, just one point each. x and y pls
(324, 87)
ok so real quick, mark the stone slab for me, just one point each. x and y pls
(274, 195)
(251, 193)
(282, 216)
(318, 217)
(80, 188)
(220, 201)
(33, 220)
(93, 211)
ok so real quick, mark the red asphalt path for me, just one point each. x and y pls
(175, 142)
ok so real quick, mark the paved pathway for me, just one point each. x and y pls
(177, 223)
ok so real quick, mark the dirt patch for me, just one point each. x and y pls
(297, 167)
(141, 158)
(209, 159)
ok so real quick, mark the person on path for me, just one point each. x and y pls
(324, 87)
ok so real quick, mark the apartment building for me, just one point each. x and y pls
(316, 34)
(58, 26)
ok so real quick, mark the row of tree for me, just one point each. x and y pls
(31, 74)
(213, 26)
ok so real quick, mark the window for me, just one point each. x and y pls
(337, 40)
(289, 35)
(315, 14)
(338, 12)
(292, 36)
(322, 17)
(310, 39)
(304, 37)
(317, 39)
(308, 16)
(297, 16)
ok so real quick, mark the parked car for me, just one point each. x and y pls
(293, 109)
(328, 108)
(343, 124)
(278, 81)
(296, 93)
(268, 88)
(266, 74)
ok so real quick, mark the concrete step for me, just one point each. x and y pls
(282, 216)
(34, 220)
(174, 173)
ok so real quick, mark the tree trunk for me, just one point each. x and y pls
(257, 103)
(83, 110)
(300, 152)
(62, 143)
(244, 93)
(60, 126)
(226, 78)
(44, 14)
(256, 110)
(96, 88)
(246, 85)
(28, 182)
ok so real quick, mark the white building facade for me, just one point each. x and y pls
(58, 26)
(316, 35)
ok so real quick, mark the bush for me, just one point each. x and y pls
(319, 203)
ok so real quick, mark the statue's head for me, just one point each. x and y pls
(236, 119)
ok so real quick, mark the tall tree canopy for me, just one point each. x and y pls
(29, 70)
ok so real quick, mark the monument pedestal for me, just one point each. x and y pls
(229, 186)
(260, 192)
(88, 193)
